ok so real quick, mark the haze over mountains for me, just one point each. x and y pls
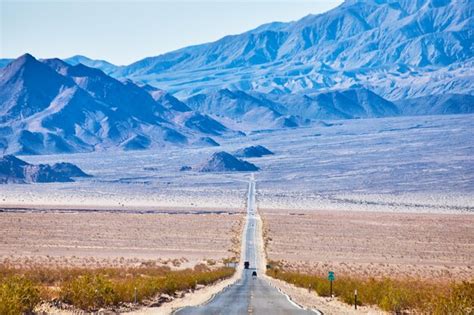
(365, 58)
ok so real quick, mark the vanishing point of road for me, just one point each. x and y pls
(249, 295)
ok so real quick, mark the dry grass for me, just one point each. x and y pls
(90, 289)
(18, 295)
(393, 295)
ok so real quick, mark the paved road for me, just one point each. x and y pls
(249, 295)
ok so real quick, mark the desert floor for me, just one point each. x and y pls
(380, 169)
(372, 244)
(178, 238)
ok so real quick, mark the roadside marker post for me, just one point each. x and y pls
(355, 299)
(331, 278)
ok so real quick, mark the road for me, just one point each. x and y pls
(249, 295)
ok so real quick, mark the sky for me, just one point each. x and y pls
(126, 31)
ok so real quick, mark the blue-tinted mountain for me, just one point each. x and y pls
(203, 123)
(447, 104)
(103, 65)
(338, 104)
(246, 111)
(4, 62)
(365, 58)
(69, 169)
(183, 115)
(255, 111)
(206, 141)
(393, 48)
(49, 106)
(166, 99)
(253, 151)
(16, 171)
(226, 162)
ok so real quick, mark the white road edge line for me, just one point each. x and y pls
(244, 240)
(293, 302)
(260, 223)
(241, 261)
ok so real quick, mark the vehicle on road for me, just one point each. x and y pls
(266, 298)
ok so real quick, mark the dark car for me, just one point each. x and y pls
(246, 265)
(254, 274)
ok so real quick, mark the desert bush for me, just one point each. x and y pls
(459, 300)
(395, 299)
(89, 292)
(18, 295)
(146, 288)
(93, 288)
(392, 295)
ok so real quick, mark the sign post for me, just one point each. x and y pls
(355, 298)
(331, 278)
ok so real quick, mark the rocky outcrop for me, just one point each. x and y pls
(225, 162)
(253, 151)
(16, 171)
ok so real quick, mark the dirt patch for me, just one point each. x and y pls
(76, 238)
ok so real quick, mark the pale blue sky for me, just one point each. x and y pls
(126, 31)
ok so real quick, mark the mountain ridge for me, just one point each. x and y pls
(362, 59)
(354, 36)
(49, 106)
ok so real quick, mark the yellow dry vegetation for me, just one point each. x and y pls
(90, 289)
(392, 295)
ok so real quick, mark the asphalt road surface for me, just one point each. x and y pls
(249, 295)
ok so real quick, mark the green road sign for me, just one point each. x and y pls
(331, 276)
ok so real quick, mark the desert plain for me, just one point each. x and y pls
(81, 238)
(370, 197)
(372, 244)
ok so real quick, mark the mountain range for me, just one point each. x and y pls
(393, 48)
(50, 106)
(363, 59)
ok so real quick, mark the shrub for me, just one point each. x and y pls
(89, 292)
(18, 295)
(90, 289)
(392, 295)
(460, 300)
(394, 300)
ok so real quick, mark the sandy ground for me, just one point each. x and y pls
(204, 294)
(372, 244)
(397, 164)
(179, 238)
(302, 297)
(200, 296)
